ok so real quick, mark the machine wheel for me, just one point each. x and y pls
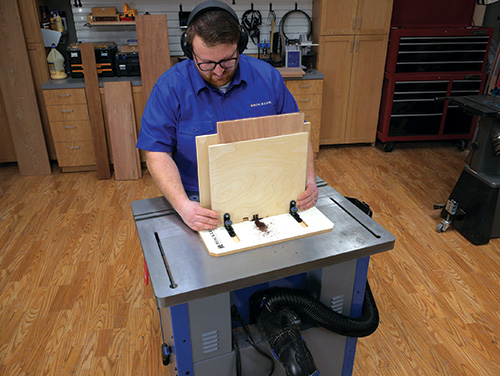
(165, 354)
(462, 145)
(388, 147)
(440, 227)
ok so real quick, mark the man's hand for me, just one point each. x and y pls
(307, 199)
(198, 218)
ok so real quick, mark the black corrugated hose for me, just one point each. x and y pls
(307, 307)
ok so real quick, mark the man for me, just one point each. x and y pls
(215, 83)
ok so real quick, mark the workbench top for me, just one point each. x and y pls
(77, 83)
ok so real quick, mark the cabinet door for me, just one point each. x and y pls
(366, 88)
(334, 61)
(373, 16)
(336, 17)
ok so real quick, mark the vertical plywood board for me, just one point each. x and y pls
(154, 49)
(257, 176)
(202, 144)
(260, 127)
(19, 95)
(95, 110)
(122, 130)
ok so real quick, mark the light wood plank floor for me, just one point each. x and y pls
(73, 301)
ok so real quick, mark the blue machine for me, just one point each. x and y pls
(197, 294)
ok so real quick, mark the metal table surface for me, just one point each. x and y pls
(194, 274)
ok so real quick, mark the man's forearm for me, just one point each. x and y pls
(166, 176)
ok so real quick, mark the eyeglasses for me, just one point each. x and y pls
(207, 66)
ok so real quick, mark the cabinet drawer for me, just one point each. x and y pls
(308, 102)
(64, 96)
(305, 86)
(314, 117)
(79, 153)
(71, 130)
(68, 112)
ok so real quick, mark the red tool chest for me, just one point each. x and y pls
(425, 65)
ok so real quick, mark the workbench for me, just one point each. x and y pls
(194, 291)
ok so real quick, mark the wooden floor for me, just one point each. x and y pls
(73, 301)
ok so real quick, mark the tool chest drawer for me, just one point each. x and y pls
(305, 86)
(64, 96)
(71, 130)
(75, 153)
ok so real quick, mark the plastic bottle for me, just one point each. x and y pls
(56, 64)
(52, 21)
(59, 24)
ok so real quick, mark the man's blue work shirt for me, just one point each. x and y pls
(182, 106)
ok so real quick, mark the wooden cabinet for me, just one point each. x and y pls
(352, 87)
(309, 94)
(70, 127)
(352, 39)
(353, 17)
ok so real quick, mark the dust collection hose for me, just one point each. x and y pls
(280, 310)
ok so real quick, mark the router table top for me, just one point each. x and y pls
(196, 274)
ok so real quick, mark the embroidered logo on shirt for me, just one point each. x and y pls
(261, 104)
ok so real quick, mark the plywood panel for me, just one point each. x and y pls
(7, 151)
(202, 144)
(95, 111)
(40, 72)
(154, 49)
(122, 130)
(19, 95)
(260, 127)
(257, 176)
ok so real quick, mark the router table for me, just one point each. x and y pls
(195, 291)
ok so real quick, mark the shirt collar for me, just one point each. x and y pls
(199, 83)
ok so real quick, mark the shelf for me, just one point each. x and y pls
(111, 23)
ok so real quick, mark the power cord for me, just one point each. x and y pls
(237, 317)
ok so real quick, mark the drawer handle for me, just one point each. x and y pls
(74, 147)
(64, 95)
(305, 85)
(66, 110)
(70, 126)
(307, 115)
(304, 100)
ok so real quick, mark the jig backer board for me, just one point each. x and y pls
(278, 228)
(258, 177)
(260, 127)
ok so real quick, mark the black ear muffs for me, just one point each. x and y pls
(203, 7)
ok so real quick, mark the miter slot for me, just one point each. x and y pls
(228, 224)
(355, 217)
(294, 213)
(173, 285)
